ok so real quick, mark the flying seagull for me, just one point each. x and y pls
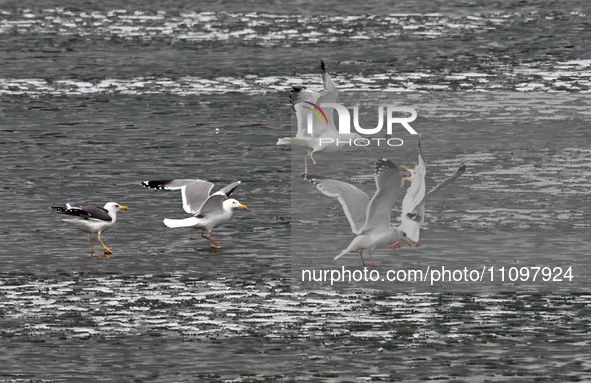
(209, 210)
(413, 204)
(369, 219)
(324, 136)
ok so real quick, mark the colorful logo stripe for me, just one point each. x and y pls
(316, 113)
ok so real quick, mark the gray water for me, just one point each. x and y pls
(97, 97)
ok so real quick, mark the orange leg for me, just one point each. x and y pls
(91, 249)
(211, 241)
(107, 251)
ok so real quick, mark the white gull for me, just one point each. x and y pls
(324, 136)
(369, 219)
(209, 211)
(413, 204)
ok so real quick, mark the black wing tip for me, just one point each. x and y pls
(462, 169)
(384, 162)
(156, 184)
(294, 95)
(310, 177)
(237, 183)
(75, 211)
(314, 178)
(322, 66)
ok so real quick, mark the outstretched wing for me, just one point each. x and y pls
(353, 200)
(301, 100)
(213, 205)
(412, 209)
(420, 173)
(228, 189)
(330, 92)
(194, 191)
(413, 220)
(388, 185)
(446, 182)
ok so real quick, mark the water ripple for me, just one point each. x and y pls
(136, 306)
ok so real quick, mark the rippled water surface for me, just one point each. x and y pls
(97, 97)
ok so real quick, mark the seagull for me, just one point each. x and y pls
(413, 204)
(91, 219)
(414, 194)
(209, 210)
(369, 219)
(324, 137)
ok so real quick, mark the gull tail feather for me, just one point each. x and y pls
(284, 141)
(346, 251)
(353, 246)
(187, 222)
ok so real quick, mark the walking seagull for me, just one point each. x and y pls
(209, 211)
(369, 219)
(91, 219)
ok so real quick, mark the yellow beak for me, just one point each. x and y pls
(409, 173)
(242, 206)
(408, 242)
(124, 208)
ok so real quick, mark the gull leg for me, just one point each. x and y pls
(212, 243)
(107, 251)
(209, 238)
(306, 164)
(371, 264)
(363, 261)
(90, 240)
(312, 157)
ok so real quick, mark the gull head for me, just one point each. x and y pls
(411, 173)
(114, 206)
(399, 235)
(232, 204)
(405, 238)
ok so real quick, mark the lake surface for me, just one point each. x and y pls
(96, 98)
